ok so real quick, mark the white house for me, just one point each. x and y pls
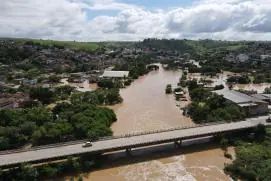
(115, 74)
(242, 57)
(263, 57)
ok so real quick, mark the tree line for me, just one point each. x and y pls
(65, 122)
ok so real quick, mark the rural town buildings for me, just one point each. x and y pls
(251, 105)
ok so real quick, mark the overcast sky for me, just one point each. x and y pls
(100, 20)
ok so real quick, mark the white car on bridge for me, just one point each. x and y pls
(87, 144)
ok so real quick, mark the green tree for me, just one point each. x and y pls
(199, 94)
(267, 90)
(42, 94)
(27, 173)
(106, 83)
(54, 79)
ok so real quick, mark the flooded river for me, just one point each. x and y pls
(146, 107)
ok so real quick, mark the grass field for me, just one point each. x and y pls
(87, 46)
(236, 47)
(74, 45)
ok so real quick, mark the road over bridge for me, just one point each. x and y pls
(50, 152)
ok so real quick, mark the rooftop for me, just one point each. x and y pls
(115, 74)
(262, 96)
(267, 95)
(237, 97)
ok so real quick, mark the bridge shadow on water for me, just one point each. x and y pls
(145, 154)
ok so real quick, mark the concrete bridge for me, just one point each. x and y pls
(58, 151)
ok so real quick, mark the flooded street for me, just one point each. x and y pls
(252, 87)
(222, 79)
(146, 107)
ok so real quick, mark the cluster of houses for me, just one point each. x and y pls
(94, 76)
(245, 57)
(19, 99)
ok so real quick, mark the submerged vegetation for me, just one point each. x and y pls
(168, 89)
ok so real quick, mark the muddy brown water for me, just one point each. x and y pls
(147, 108)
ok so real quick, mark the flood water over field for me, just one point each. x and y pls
(146, 107)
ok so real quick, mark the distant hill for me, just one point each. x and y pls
(192, 46)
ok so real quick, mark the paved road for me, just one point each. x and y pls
(125, 142)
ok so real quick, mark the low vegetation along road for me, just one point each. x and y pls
(121, 143)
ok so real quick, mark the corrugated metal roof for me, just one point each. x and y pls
(261, 96)
(267, 95)
(115, 74)
(237, 97)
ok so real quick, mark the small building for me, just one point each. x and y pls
(179, 94)
(194, 62)
(25, 81)
(78, 74)
(152, 66)
(251, 105)
(263, 57)
(77, 77)
(263, 97)
(82, 89)
(115, 74)
(242, 57)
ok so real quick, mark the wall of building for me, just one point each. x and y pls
(260, 109)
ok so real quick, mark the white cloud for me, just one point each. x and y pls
(107, 5)
(67, 19)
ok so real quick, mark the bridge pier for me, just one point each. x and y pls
(178, 144)
(128, 151)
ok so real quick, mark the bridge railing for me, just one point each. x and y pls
(146, 143)
(160, 131)
(108, 138)
(43, 147)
